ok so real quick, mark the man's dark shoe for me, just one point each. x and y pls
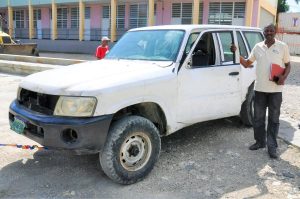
(273, 153)
(256, 146)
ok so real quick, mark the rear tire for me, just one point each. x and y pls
(247, 110)
(36, 52)
(131, 150)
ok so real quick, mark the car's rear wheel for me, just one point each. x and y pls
(247, 110)
(131, 150)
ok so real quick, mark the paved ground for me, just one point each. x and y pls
(68, 56)
(207, 160)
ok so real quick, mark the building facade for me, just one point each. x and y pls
(62, 21)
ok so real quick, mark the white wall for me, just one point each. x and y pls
(265, 18)
(292, 40)
(289, 22)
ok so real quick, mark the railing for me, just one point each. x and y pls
(93, 34)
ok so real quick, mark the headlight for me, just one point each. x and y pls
(75, 106)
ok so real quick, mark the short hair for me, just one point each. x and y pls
(271, 25)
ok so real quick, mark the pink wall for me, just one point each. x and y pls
(127, 15)
(167, 11)
(96, 16)
(255, 13)
(45, 17)
(205, 11)
(159, 13)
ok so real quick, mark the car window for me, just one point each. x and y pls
(193, 37)
(204, 53)
(6, 40)
(226, 39)
(253, 38)
(242, 45)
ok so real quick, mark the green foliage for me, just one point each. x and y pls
(282, 6)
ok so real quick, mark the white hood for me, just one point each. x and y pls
(89, 77)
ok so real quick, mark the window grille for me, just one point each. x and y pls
(121, 16)
(19, 18)
(106, 12)
(225, 12)
(87, 13)
(183, 12)
(75, 17)
(138, 15)
(201, 13)
(62, 17)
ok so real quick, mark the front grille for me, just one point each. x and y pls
(39, 102)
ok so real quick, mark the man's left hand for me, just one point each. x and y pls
(281, 80)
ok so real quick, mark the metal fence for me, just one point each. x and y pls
(93, 34)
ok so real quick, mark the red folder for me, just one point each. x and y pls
(275, 71)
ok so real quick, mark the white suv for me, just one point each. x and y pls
(153, 82)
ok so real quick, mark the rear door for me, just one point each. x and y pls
(209, 88)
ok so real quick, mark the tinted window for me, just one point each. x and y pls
(226, 39)
(204, 52)
(242, 45)
(6, 40)
(253, 38)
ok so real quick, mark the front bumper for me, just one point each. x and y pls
(52, 131)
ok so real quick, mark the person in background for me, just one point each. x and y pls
(268, 94)
(103, 48)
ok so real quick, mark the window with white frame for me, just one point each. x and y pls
(138, 15)
(227, 13)
(62, 17)
(182, 13)
(75, 17)
(19, 18)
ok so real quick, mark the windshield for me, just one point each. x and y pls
(153, 45)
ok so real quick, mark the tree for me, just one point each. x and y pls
(282, 6)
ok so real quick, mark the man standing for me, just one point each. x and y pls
(268, 93)
(103, 48)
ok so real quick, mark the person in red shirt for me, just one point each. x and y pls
(103, 48)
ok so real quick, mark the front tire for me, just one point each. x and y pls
(247, 110)
(131, 150)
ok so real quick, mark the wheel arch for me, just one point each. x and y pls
(149, 110)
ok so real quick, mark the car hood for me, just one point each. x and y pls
(89, 77)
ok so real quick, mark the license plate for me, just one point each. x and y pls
(18, 126)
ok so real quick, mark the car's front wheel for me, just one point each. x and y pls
(131, 149)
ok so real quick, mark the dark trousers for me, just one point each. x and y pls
(262, 101)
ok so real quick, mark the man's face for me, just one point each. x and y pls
(269, 32)
(104, 42)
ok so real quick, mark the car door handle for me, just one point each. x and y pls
(233, 73)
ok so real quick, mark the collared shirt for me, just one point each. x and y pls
(101, 51)
(279, 54)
